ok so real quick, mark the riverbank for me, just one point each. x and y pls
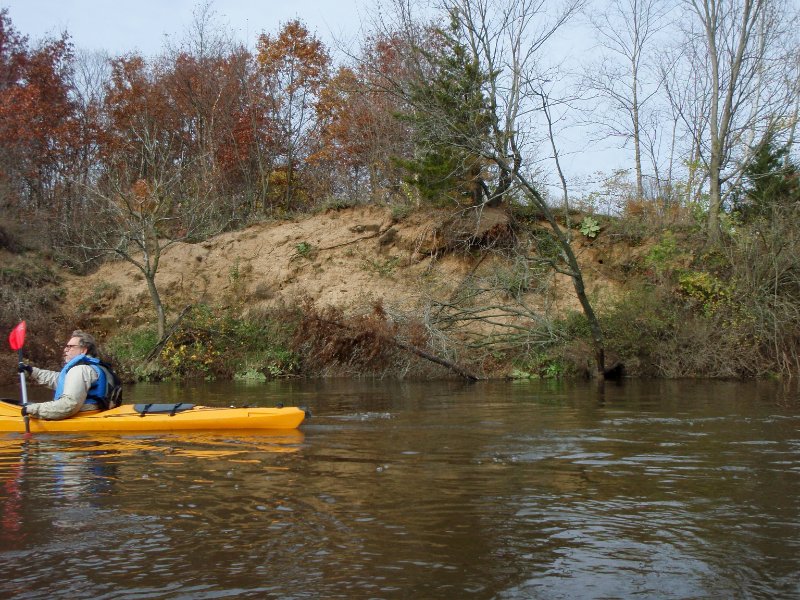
(368, 291)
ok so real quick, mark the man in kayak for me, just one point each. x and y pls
(85, 383)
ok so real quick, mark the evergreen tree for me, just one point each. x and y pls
(772, 183)
(450, 119)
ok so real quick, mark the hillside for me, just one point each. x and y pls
(345, 258)
(421, 269)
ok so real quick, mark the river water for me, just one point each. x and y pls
(419, 490)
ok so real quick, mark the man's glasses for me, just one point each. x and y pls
(68, 346)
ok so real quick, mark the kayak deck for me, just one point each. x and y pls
(127, 418)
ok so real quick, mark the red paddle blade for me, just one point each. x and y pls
(17, 336)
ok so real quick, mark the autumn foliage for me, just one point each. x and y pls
(40, 134)
(244, 134)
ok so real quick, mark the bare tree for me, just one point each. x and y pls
(139, 208)
(793, 84)
(505, 41)
(626, 30)
(739, 44)
(92, 70)
(204, 83)
(688, 96)
(87, 79)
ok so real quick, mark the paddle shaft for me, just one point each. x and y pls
(26, 418)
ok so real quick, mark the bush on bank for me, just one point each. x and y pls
(208, 343)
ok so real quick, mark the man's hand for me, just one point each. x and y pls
(23, 368)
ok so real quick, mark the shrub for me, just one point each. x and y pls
(541, 365)
(30, 290)
(704, 289)
(636, 327)
(655, 332)
(662, 258)
(304, 249)
(128, 351)
(210, 343)
(99, 298)
(401, 212)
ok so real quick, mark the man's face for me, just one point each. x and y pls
(73, 349)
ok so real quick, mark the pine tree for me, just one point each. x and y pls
(772, 183)
(450, 119)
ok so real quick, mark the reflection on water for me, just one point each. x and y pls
(429, 490)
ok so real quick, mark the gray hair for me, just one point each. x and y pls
(86, 341)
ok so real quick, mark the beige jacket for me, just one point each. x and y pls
(76, 387)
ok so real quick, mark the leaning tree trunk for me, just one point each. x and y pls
(155, 297)
(574, 271)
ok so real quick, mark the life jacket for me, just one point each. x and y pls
(105, 392)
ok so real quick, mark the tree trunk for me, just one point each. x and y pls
(714, 197)
(598, 341)
(155, 297)
(637, 149)
(574, 271)
(455, 368)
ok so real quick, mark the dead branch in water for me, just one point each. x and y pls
(367, 340)
(433, 358)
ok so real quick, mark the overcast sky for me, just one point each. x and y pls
(121, 26)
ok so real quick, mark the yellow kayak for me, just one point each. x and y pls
(158, 417)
